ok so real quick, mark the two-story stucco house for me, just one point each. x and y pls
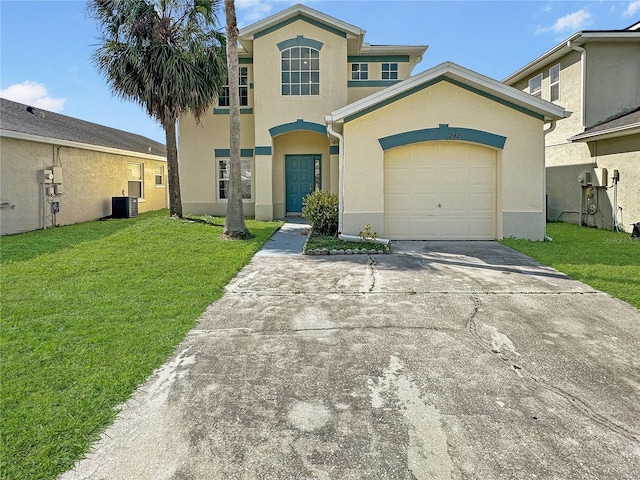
(446, 154)
(593, 157)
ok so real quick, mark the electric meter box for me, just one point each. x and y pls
(57, 174)
(45, 176)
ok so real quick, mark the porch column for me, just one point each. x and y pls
(263, 177)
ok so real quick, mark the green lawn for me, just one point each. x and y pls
(88, 312)
(606, 260)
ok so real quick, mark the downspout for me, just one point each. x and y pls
(583, 81)
(329, 121)
(348, 238)
(544, 179)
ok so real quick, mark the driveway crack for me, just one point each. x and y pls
(575, 402)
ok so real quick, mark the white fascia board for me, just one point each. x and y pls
(455, 72)
(563, 48)
(83, 146)
(623, 131)
(284, 15)
(551, 55)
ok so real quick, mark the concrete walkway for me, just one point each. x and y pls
(443, 360)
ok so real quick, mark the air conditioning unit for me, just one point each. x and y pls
(124, 207)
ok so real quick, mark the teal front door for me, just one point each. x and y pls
(300, 180)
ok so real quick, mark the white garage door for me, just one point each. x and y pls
(440, 191)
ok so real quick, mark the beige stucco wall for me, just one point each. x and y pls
(520, 165)
(271, 107)
(90, 179)
(613, 80)
(295, 143)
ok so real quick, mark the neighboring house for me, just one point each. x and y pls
(58, 170)
(593, 157)
(446, 154)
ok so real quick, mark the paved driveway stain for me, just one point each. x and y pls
(443, 360)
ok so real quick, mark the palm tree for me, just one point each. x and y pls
(234, 224)
(165, 55)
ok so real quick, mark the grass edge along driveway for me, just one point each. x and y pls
(88, 312)
(607, 261)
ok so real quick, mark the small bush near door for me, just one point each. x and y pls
(321, 209)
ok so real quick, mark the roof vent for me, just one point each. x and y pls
(30, 110)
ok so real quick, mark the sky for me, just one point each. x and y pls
(46, 46)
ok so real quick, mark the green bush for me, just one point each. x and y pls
(321, 209)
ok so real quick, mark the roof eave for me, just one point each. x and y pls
(624, 131)
(548, 111)
(84, 146)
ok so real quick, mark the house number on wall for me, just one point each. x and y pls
(454, 136)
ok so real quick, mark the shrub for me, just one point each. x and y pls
(321, 209)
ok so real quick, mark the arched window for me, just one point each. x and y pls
(300, 71)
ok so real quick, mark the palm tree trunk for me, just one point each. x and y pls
(234, 224)
(173, 174)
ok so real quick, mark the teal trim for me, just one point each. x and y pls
(245, 61)
(499, 100)
(381, 58)
(371, 83)
(298, 125)
(263, 150)
(225, 111)
(300, 41)
(443, 132)
(433, 81)
(225, 152)
(334, 150)
(295, 18)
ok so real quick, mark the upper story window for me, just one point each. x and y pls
(359, 71)
(243, 77)
(300, 71)
(554, 83)
(389, 71)
(535, 86)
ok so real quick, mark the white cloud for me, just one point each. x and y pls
(254, 10)
(632, 9)
(571, 22)
(33, 94)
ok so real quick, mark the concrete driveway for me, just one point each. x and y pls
(443, 360)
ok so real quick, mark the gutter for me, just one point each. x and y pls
(347, 238)
(583, 80)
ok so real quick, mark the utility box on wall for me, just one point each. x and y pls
(124, 207)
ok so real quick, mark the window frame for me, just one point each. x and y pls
(555, 83)
(389, 71)
(220, 179)
(292, 78)
(131, 179)
(243, 80)
(359, 71)
(159, 173)
(538, 91)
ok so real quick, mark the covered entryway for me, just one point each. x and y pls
(440, 191)
(302, 175)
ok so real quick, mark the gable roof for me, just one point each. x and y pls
(630, 34)
(457, 75)
(21, 121)
(353, 34)
(626, 124)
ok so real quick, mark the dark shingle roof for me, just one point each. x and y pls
(625, 124)
(17, 117)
